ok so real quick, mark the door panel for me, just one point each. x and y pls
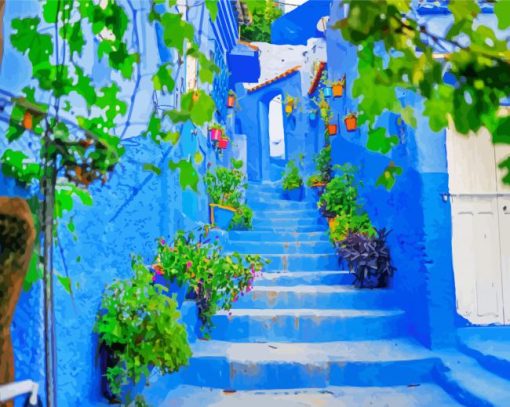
(476, 259)
(473, 185)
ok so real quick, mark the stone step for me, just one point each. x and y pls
(295, 247)
(287, 223)
(469, 383)
(317, 297)
(306, 325)
(280, 204)
(276, 365)
(331, 396)
(291, 229)
(282, 236)
(287, 214)
(305, 277)
(489, 346)
(301, 262)
(264, 186)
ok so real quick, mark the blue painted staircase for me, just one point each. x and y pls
(304, 330)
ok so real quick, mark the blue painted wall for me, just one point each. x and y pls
(297, 26)
(130, 212)
(253, 121)
(420, 221)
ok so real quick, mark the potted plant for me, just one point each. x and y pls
(216, 131)
(223, 142)
(139, 329)
(351, 121)
(338, 87)
(226, 188)
(231, 98)
(332, 129)
(346, 222)
(216, 279)
(323, 167)
(368, 258)
(292, 182)
(290, 104)
(340, 194)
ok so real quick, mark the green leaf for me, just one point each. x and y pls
(66, 283)
(502, 11)
(152, 168)
(212, 7)
(50, 11)
(200, 106)
(505, 165)
(26, 37)
(75, 38)
(501, 133)
(84, 87)
(16, 164)
(34, 272)
(377, 140)
(176, 31)
(198, 158)
(172, 137)
(188, 175)
(387, 178)
(163, 78)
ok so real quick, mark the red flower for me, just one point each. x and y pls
(158, 269)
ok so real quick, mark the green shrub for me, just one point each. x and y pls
(323, 167)
(217, 279)
(243, 218)
(263, 12)
(341, 194)
(142, 326)
(346, 223)
(292, 178)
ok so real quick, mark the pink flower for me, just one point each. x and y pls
(162, 241)
(252, 269)
(189, 264)
(158, 269)
(154, 277)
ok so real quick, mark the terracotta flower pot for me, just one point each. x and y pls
(338, 90)
(223, 143)
(332, 129)
(231, 100)
(17, 235)
(351, 123)
(215, 134)
(28, 121)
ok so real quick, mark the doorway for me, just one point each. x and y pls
(276, 130)
(480, 205)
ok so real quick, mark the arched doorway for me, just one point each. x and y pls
(276, 129)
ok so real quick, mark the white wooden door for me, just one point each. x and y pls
(501, 152)
(480, 228)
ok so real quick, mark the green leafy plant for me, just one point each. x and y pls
(226, 186)
(243, 218)
(323, 167)
(416, 58)
(368, 258)
(346, 223)
(341, 194)
(263, 13)
(292, 178)
(141, 326)
(217, 279)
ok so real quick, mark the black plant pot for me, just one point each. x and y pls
(108, 359)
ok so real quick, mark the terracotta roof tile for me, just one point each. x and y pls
(275, 79)
(249, 45)
(317, 78)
